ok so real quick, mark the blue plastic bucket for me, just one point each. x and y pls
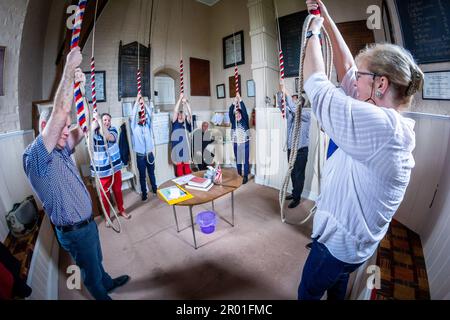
(207, 221)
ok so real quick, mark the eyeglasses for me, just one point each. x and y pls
(358, 74)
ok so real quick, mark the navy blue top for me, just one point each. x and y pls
(179, 142)
(244, 121)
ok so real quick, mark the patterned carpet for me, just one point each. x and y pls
(403, 271)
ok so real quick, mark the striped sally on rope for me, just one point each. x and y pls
(142, 119)
(181, 76)
(283, 100)
(79, 102)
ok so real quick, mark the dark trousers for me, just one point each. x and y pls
(242, 154)
(84, 247)
(144, 164)
(298, 173)
(323, 272)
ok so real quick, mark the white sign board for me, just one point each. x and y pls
(161, 128)
(436, 86)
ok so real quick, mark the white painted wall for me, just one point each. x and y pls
(31, 58)
(54, 36)
(23, 33)
(430, 164)
(12, 17)
(435, 233)
(14, 186)
(130, 21)
(227, 17)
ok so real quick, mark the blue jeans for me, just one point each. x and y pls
(84, 247)
(323, 272)
(242, 154)
(143, 164)
(298, 173)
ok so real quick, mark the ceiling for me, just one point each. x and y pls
(209, 2)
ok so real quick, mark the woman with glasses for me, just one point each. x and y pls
(366, 179)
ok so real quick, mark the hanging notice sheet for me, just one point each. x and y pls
(161, 128)
(436, 85)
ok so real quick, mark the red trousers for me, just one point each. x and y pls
(183, 169)
(116, 188)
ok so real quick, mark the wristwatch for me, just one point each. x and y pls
(310, 33)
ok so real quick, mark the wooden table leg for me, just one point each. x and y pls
(193, 227)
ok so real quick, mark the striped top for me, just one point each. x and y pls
(240, 135)
(365, 180)
(103, 157)
(291, 108)
(57, 182)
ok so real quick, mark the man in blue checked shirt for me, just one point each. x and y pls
(55, 179)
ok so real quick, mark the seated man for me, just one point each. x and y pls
(202, 139)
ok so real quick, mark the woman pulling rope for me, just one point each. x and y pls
(181, 124)
(240, 127)
(367, 176)
(103, 148)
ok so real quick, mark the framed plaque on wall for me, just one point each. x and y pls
(233, 50)
(100, 86)
(436, 85)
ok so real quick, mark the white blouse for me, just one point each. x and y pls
(365, 180)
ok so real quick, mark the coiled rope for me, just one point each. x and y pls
(328, 57)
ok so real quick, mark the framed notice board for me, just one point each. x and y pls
(128, 66)
(425, 27)
(291, 36)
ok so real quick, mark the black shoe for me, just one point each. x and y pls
(118, 282)
(245, 180)
(309, 246)
(294, 203)
(144, 197)
(290, 197)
